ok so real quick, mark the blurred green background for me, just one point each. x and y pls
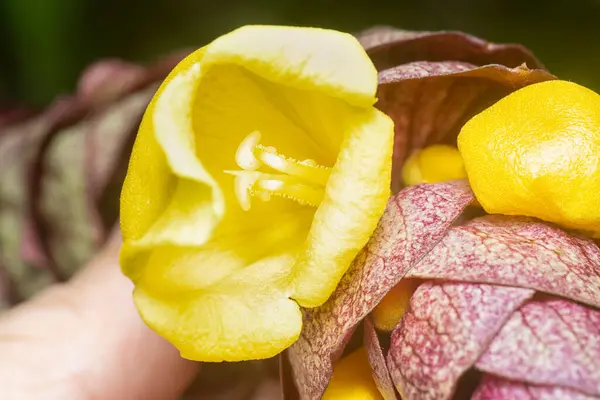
(44, 44)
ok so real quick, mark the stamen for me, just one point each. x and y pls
(242, 184)
(309, 170)
(303, 194)
(261, 194)
(244, 156)
(301, 181)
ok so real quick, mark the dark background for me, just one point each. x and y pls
(44, 44)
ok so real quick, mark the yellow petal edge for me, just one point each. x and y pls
(259, 171)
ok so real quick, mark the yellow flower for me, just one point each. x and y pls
(260, 170)
(352, 379)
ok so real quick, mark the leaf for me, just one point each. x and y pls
(381, 374)
(388, 47)
(110, 80)
(550, 342)
(443, 333)
(414, 221)
(19, 245)
(107, 80)
(61, 172)
(495, 388)
(13, 113)
(112, 96)
(517, 251)
(78, 178)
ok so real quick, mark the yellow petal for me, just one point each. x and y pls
(245, 315)
(356, 195)
(352, 379)
(159, 155)
(309, 59)
(147, 190)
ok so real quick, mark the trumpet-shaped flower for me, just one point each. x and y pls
(259, 171)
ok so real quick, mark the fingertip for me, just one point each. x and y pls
(85, 338)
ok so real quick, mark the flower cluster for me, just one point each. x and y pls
(300, 190)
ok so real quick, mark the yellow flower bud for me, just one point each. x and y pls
(392, 307)
(352, 379)
(437, 163)
(536, 153)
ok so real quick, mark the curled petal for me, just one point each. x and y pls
(550, 342)
(446, 329)
(347, 211)
(430, 101)
(519, 252)
(414, 221)
(495, 388)
(381, 374)
(388, 47)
